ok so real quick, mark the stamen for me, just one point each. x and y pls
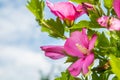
(82, 49)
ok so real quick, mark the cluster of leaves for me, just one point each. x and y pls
(115, 67)
(108, 42)
(89, 1)
(66, 76)
(54, 28)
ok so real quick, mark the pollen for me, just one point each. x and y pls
(82, 49)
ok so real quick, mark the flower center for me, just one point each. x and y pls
(82, 49)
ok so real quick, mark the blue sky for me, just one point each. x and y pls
(20, 39)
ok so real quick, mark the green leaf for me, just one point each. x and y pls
(115, 42)
(91, 32)
(36, 7)
(95, 76)
(54, 28)
(93, 19)
(113, 12)
(103, 40)
(81, 24)
(81, 1)
(108, 4)
(57, 79)
(71, 59)
(72, 78)
(115, 78)
(66, 76)
(45, 29)
(114, 62)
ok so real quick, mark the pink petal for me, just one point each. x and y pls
(114, 24)
(92, 42)
(71, 48)
(54, 55)
(50, 5)
(116, 6)
(76, 38)
(76, 67)
(103, 21)
(81, 37)
(54, 52)
(63, 9)
(88, 61)
(53, 10)
(80, 10)
(84, 38)
(88, 6)
(66, 10)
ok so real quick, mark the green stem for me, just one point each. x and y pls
(48, 26)
(97, 11)
(108, 12)
(70, 32)
(101, 10)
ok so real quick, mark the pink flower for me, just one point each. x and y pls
(78, 45)
(88, 6)
(114, 24)
(109, 22)
(103, 21)
(54, 52)
(116, 6)
(66, 10)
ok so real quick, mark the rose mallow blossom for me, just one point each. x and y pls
(88, 6)
(67, 11)
(54, 52)
(78, 45)
(103, 21)
(110, 23)
(116, 6)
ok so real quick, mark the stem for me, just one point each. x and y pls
(70, 32)
(97, 11)
(101, 10)
(48, 26)
(108, 12)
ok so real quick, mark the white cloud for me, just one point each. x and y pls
(17, 21)
(20, 38)
(21, 64)
(18, 26)
(17, 63)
